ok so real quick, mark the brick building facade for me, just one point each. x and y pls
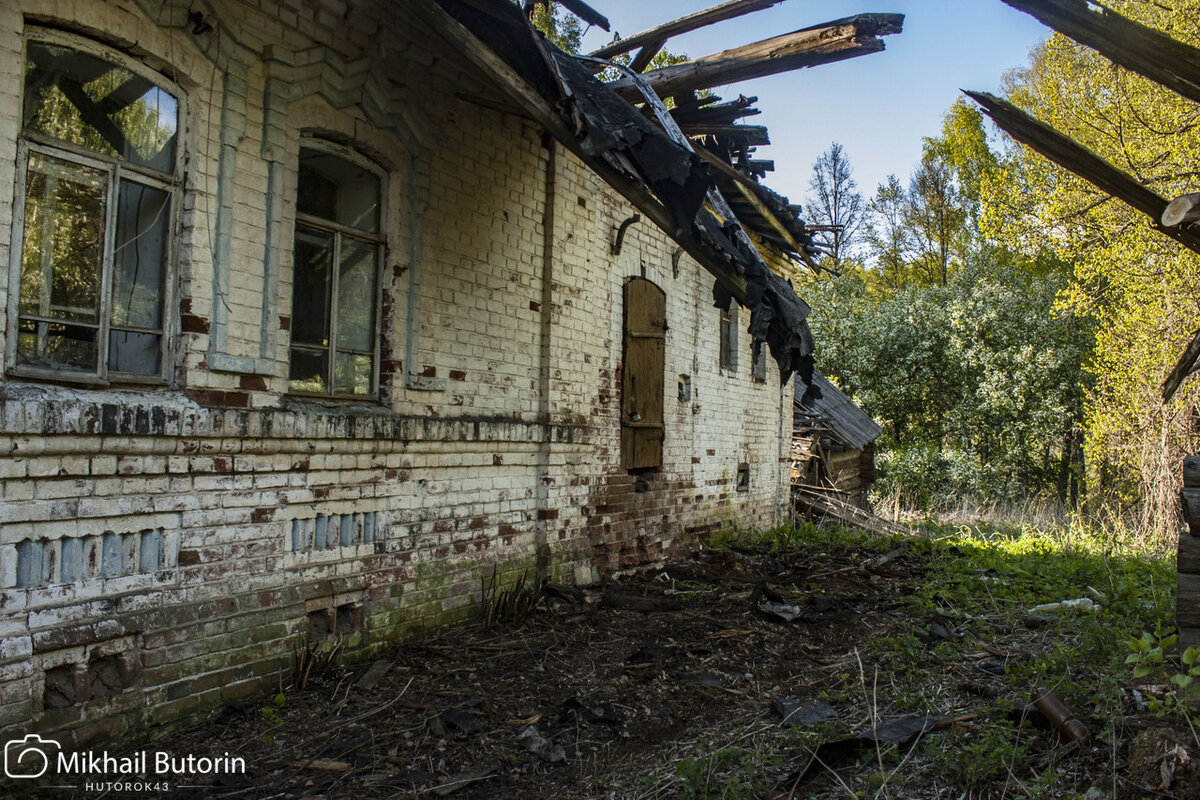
(300, 335)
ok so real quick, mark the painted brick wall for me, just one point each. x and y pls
(161, 550)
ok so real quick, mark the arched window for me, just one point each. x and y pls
(98, 166)
(335, 287)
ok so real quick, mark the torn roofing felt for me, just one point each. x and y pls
(633, 155)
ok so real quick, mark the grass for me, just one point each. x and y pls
(979, 581)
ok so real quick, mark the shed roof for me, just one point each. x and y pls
(829, 408)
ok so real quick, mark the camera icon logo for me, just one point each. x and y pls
(29, 757)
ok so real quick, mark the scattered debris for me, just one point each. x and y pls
(373, 675)
(322, 765)
(783, 611)
(1078, 604)
(535, 743)
(1069, 729)
(462, 780)
(801, 715)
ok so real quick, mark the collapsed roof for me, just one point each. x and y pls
(688, 169)
(834, 414)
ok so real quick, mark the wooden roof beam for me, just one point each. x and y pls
(821, 44)
(1076, 158)
(753, 134)
(700, 19)
(577, 7)
(1136, 47)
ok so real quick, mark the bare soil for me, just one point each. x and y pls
(602, 694)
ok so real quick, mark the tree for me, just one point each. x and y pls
(887, 233)
(835, 202)
(564, 31)
(1137, 287)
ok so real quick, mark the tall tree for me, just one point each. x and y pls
(887, 233)
(835, 201)
(935, 214)
(1139, 287)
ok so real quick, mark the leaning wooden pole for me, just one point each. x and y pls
(1076, 158)
(1136, 47)
(821, 44)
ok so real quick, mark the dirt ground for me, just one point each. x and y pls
(670, 683)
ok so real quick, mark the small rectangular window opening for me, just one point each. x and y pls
(729, 337)
(685, 388)
(743, 477)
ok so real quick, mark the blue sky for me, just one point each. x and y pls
(878, 106)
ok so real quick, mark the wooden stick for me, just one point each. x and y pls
(822, 44)
(700, 19)
(1134, 46)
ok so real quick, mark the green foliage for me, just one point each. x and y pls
(1138, 287)
(727, 773)
(561, 29)
(978, 384)
(1148, 658)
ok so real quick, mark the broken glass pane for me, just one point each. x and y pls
(313, 255)
(352, 374)
(62, 346)
(307, 370)
(133, 351)
(93, 103)
(356, 295)
(139, 256)
(337, 190)
(62, 244)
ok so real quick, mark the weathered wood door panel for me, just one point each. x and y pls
(642, 376)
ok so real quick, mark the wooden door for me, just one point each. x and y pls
(642, 376)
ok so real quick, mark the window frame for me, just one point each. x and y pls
(116, 170)
(727, 339)
(338, 230)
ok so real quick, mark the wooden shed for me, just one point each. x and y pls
(833, 444)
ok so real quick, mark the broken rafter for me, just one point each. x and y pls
(821, 44)
(1182, 210)
(753, 194)
(720, 112)
(1144, 50)
(655, 38)
(1083, 162)
(580, 9)
(753, 134)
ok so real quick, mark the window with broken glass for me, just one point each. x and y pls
(98, 165)
(337, 253)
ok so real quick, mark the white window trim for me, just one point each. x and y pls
(116, 169)
(380, 241)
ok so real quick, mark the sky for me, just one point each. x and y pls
(878, 106)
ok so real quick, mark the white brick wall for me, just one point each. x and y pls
(484, 469)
